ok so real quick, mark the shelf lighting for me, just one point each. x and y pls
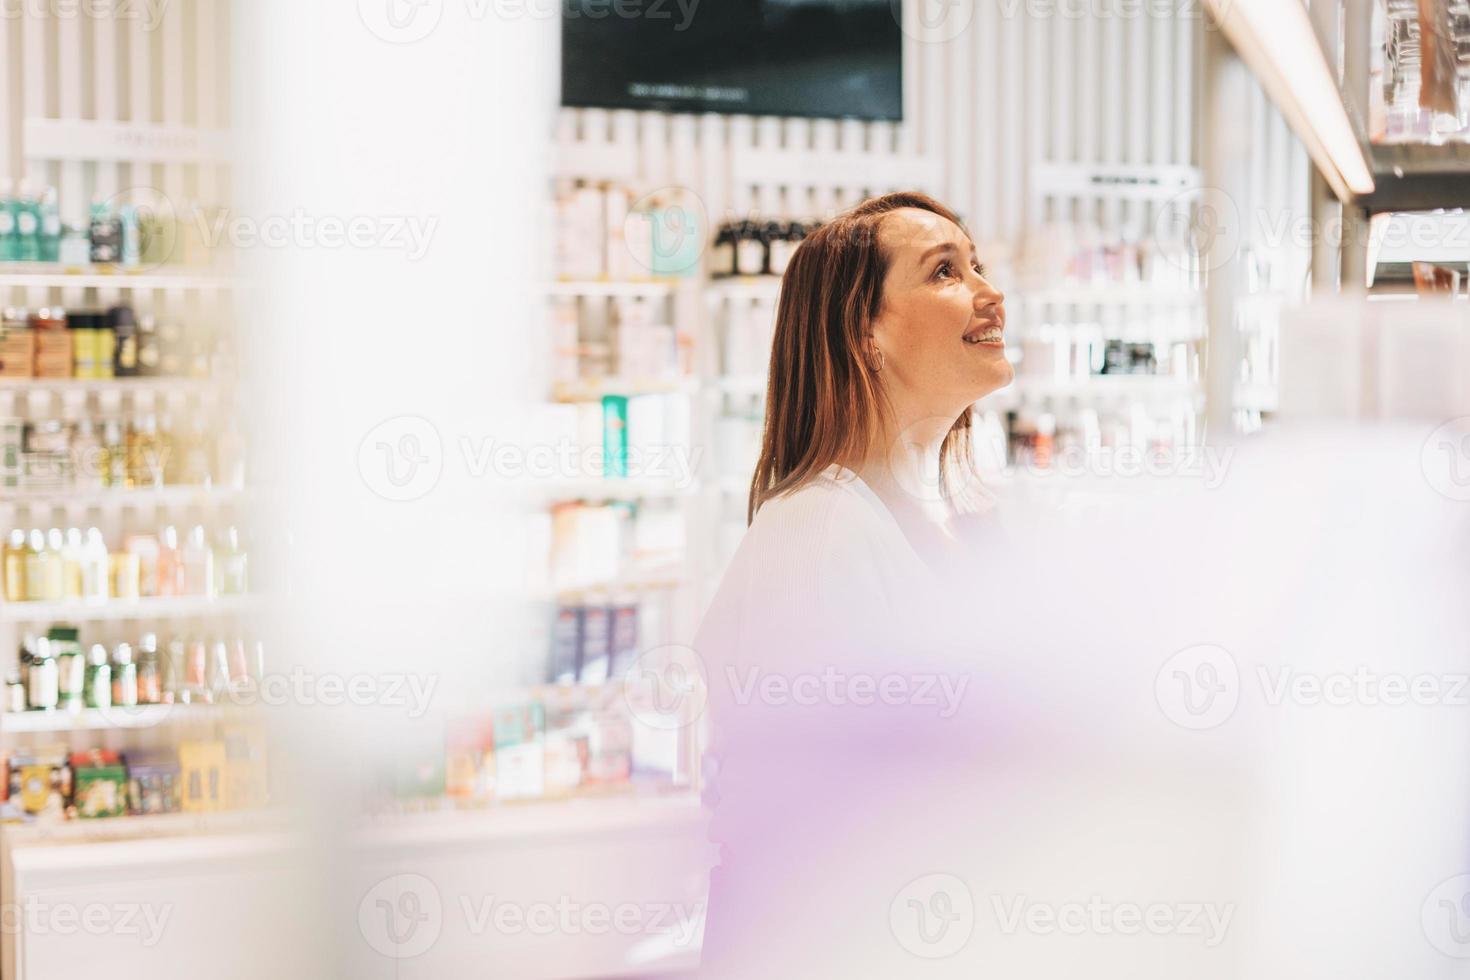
(1277, 41)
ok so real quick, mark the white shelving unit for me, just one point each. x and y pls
(120, 610)
(43, 275)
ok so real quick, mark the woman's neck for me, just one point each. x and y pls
(902, 466)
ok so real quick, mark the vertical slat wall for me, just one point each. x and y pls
(982, 111)
(109, 63)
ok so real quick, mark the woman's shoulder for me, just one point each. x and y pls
(833, 495)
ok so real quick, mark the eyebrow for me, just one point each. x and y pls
(944, 247)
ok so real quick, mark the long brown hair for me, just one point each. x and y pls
(822, 392)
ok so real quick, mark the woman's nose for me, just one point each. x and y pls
(987, 295)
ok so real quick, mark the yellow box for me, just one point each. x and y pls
(202, 775)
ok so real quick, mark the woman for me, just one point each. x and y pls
(824, 648)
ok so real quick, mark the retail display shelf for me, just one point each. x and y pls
(118, 717)
(1088, 294)
(515, 823)
(655, 581)
(105, 499)
(745, 287)
(54, 275)
(647, 289)
(101, 385)
(616, 489)
(157, 607)
(138, 829)
(587, 391)
(1140, 385)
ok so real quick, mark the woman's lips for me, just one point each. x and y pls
(988, 334)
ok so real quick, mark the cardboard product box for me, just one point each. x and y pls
(153, 782)
(202, 772)
(520, 737)
(41, 781)
(245, 768)
(99, 785)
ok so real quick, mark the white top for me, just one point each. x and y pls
(826, 559)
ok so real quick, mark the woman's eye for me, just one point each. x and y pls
(980, 270)
(944, 271)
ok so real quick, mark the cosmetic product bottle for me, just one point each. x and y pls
(105, 233)
(750, 250)
(97, 688)
(15, 566)
(71, 563)
(230, 564)
(50, 227)
(42, 680)
(96, 568)
(125, 338)
(9, 238)
(130, 252)
(28, 223)
(124, 677)
(722, 254)
(198, 563)
(75, 249)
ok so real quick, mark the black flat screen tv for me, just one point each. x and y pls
(813, 58)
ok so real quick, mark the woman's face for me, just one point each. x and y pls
(941, 325)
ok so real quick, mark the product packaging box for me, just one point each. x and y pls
(520, 735)
(202, 771)
(99, 784)
(153, 782)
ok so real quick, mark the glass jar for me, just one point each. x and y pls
(42, 691)
(99, 678)
(124, 677)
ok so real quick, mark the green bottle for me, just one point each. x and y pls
(9, 240)
(28, 223)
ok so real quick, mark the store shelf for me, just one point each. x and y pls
(54, 275)
(1108, 295)
(745, 288)
(150, 827)
(653, 581)
(1139, 385)
(614, 489)
(588, 391)
(119, 499)
(650, 289)
(519, 822)
(160, 607)
(166, 386)
(104, 719)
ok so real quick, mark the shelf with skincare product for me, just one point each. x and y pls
(111, 386)
(142, 498)
(40, 275)
(594, 390)
(607, 488)
(744, 288)
(152, 607)
(63, 720)
(652, 289)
